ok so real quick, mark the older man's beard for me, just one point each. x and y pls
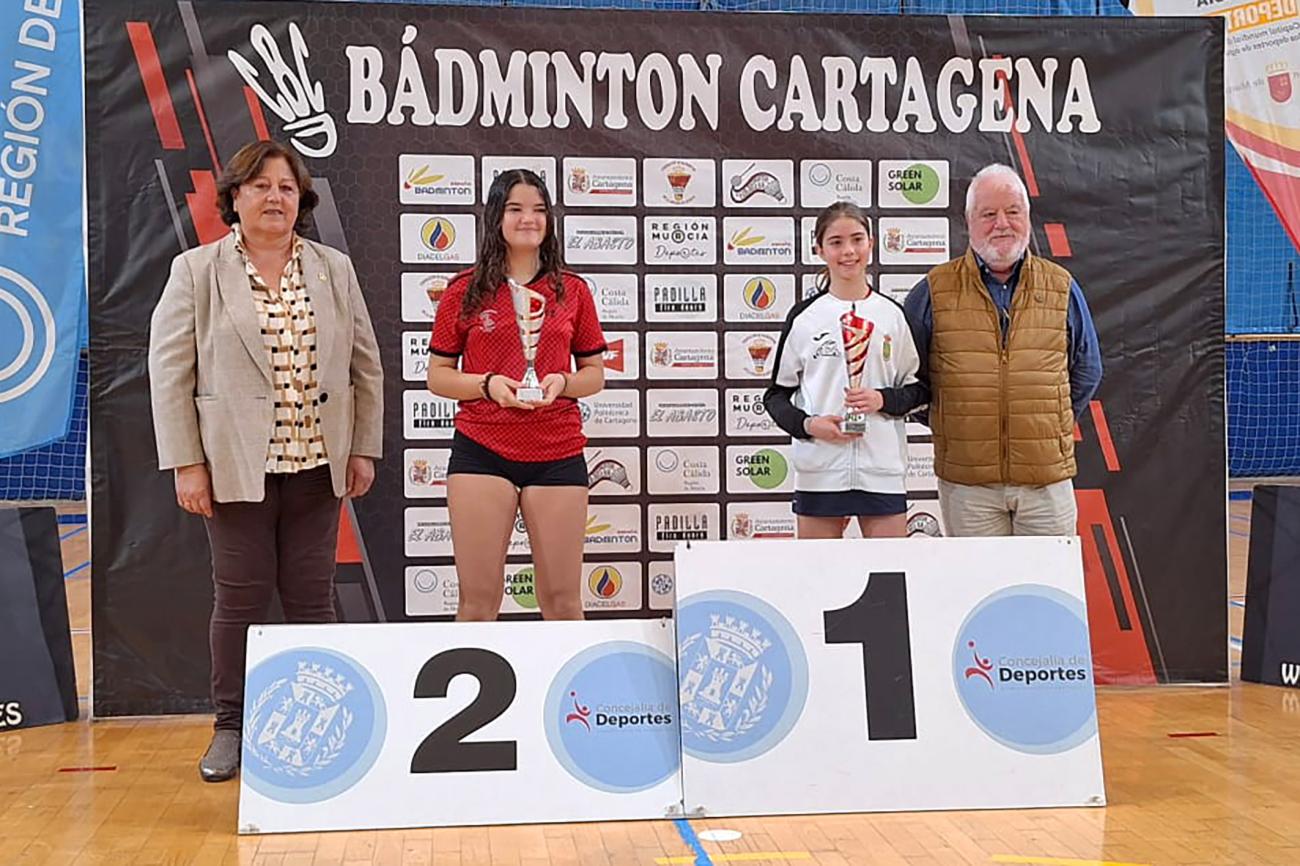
(993, 259)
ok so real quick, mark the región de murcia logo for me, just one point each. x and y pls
(299, 101)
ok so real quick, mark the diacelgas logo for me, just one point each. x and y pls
(1023, 669)
(759, 294)
(605, 581)
(438, 234)
(611, 717)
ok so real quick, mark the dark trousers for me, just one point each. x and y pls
(284, 543)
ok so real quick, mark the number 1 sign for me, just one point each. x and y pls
(889, 674)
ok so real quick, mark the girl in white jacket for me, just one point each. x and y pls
(841, 473)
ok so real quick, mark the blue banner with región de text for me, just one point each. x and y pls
(42, 270)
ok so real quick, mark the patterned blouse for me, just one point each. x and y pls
(289, 333)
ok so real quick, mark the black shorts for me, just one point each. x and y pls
(470, 458)
(849, 503)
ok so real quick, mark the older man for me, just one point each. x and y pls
(1010, 352)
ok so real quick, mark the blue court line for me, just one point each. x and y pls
(1245, 517)
(687, 832)
(1235, 603)
(1235, 641)
(76, 531)
(68, 574)
(1239, 533)
(1237, 495)
(65, 519)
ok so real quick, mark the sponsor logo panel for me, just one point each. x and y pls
(613, 529)
(746, 415)
(755, 521)
(758, 183)
(622, 355)
(682, 469)
(808, 285)
(750, 354)
(920, 467)
(758, 241)
(615, 296)
(600, 240)
(661, 585)
(424, 472)
(520, 594)
(611, 586)
(415, 355)
(672, 523)
(757, 297)
(823, 182)
(760, 469)
(431, 590)
(913, 240)
(898, 285)
(421, 294)
(680, 182)
(681, 240)
(542, 166)
(614, 413)
(914, 183)
(681, 412)
(613, 471)
(602, 182)
(437, 239)
(426, 531)
(681, 355)
(681, 298)
(435, 179)
(425, 416)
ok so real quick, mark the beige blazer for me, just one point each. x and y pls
(210, 372)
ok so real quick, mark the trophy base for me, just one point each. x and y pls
(854, 424)
(529, 395)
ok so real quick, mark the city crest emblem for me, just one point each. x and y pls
(313, 725)
(743, 676)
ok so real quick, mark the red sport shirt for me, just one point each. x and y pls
(488, 341)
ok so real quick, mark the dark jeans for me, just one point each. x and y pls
(287, 543)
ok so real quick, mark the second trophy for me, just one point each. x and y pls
(856, 333)
(530, 313)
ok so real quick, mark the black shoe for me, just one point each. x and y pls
(221, 761)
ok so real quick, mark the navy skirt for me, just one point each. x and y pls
(849, 503)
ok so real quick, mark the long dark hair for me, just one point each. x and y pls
(828, 215)
(490, 269)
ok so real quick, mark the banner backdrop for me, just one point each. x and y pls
(42, 270)
(688, 154)
(1261, 89)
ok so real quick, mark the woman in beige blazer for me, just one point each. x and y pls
(267, 396)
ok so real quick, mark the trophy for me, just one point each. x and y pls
(856, 333)
(530, 312)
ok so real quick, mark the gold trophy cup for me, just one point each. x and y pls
(530, 312)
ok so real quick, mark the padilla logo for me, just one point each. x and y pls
(300, 102)
(1030, 685)
(314, 728)
(744, 676)
(438, 234)
(622, 737)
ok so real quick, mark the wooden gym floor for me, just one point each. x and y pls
(128, 792)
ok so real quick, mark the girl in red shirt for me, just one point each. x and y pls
(509, 455)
